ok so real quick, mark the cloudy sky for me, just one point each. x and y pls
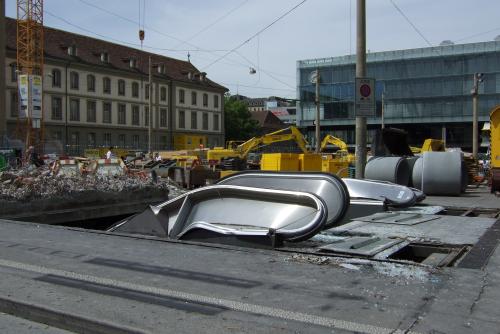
(209, 30)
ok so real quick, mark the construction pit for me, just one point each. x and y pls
(429, 268)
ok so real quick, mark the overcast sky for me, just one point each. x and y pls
(208, 29)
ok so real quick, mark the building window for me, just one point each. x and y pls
(14, 104)
(216, 101)
(90, 83)
(122, 113)
(135, 141)
(13, 72)
(122, 140)
(56, 108)
(56, 78)
(75, 142)
(106, 112)
(146, 91)
(193, 98)
(121, 87)
(91, 139)
(216, 122)
(74, 110)
(57, 135)
(181, 95)
(163, 117)
(182, 119)
(106, 139)
(135, 89)
(205, 121)
(194, 120)
(91, 111)
(163, 94)
(106, 85)
(146, 116)
(135, 115)
(205, 100)
(163, 142)
(74, 80)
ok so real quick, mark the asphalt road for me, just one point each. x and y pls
(96, 282)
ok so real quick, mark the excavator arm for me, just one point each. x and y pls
(329, 139)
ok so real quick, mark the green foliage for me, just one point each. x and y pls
(238, 122)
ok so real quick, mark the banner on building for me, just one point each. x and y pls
(23, 86)
(36, 97)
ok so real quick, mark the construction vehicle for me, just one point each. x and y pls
(495, 148)
(241, 151)
(342, 153)
(429, 145)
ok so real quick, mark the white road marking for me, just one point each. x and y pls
(195, 298)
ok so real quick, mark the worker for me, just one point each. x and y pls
(157, 157)
(109, 154)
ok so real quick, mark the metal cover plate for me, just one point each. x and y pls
(398, 218)
(365, 246)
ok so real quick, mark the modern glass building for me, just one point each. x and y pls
(425, 91)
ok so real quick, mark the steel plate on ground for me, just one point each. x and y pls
(326, 186)
(365, 246)
(398, 218)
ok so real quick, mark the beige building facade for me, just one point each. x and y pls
(96, 94)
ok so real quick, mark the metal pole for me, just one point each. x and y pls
(318, 139)
(150, 111)
(360, 73)
(474, 117)
(383, 107)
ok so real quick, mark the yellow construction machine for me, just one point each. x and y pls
(241, 151)
(429, 145)
(342, 153)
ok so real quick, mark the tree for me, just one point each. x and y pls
(238, 121)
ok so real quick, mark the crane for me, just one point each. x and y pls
(30, 50)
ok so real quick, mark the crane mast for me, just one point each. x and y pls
(30, 52)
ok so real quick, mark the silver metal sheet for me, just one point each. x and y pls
(365, 246)
(361, 208)
(326, 186)
(392, 194)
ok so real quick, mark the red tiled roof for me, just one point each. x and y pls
(89, 52)
(267, 119)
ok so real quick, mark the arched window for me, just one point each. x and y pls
(135, 89)
(106, 85)
(56, 77)
(74, 80)
(121, 87)
(90, 83)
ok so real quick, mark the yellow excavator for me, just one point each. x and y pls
(429, 145)
(241, 151)
(342, 153)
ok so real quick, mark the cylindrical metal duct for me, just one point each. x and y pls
(392, 169)
(439, 173)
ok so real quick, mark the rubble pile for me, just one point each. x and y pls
(33, 183)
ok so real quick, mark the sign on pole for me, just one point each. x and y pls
(364, 104)
(23, 85)
(36, 100)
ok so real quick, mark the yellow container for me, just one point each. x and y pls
(189, 141)
(280, 162)
(310, 162)
(336, 167)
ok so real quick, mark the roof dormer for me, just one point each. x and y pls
(72, 50)
(104, 57)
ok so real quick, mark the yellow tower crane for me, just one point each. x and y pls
(30, 48)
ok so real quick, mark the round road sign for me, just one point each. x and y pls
(365, 90)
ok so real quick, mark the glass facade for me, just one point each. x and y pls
(425, 91)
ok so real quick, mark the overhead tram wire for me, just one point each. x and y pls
(256, 34)
(213, 23)
(196, 48)
(411, 23)
(476, 35)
